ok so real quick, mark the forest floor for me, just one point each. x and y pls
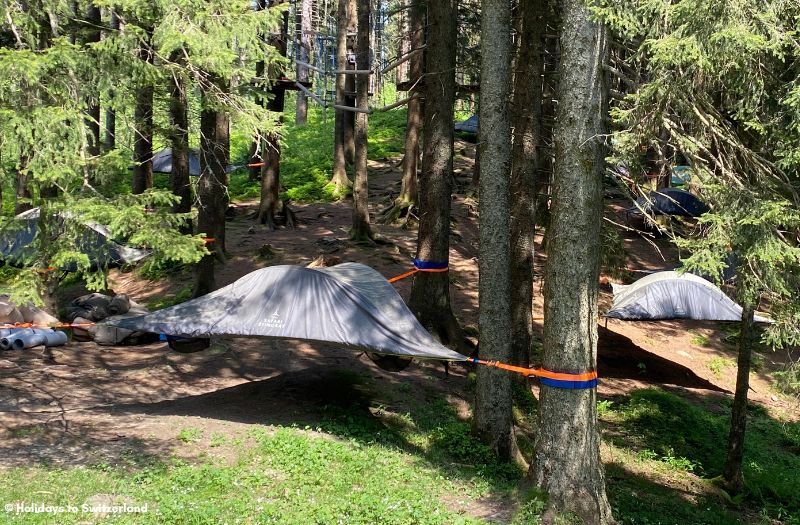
(289, 432)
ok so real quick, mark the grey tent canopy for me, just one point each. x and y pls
(671, 295)
(670, 201)
(17, 246)
(468, 126)
(349, 305)
(162, 162)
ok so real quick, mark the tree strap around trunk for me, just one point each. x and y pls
(547, 377)
(422, 266)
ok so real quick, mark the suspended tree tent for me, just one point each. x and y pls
(670, 201)
(670, 295)
(468, 126)
(18, 246)
(162, 162)
(349, 305)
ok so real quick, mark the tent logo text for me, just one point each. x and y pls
(273, 321)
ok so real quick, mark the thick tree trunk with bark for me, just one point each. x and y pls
(143, 127)
(350, 83)
(212, 189)
(407, 198)
(733, 462)
(179, 141)
(492, 420)
(339, 178)
(361, 230)
(527, 104)
(430, 292)
(270, 203)
(304, 52)
(566, 463)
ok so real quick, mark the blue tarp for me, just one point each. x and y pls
(468, 126)
(671, 201)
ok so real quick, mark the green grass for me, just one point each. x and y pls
(671, 434)
(718, 364)
(700, 340)
(381, 453)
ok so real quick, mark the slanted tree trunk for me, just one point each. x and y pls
(492, 420)
(256, 156)
(110, 141)
(527, 104)
(407, 198)
(361, 229)
(212, 188)
(304, 47)
(143, 125)
(733, 462)
(22, 186)
(566, 463)
(430, 292)
(179, 140)
(339, 178)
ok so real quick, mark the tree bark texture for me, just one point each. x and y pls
(430, 292)
(350, 83)
(492, 417)
(271, 154)
(527, 104)
(361, 225)
(408, 184)
(303, 53)
(339, 178)
(212, 191)
(143, 126)
(566, 463)
(733, 462)
(179, 140)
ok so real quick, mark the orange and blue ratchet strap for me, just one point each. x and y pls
(422, 266)
(546, 377)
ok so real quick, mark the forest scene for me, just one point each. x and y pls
(400, 262)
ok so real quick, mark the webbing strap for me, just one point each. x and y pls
(421, 266)
(547, 377)
(41, 325)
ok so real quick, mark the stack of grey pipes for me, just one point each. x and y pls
(21, 338)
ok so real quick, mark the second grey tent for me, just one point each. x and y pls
(19, 241)
(671, 295)
(349, 305)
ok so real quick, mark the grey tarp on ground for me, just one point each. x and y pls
(350, 305)
(17, 245)
(670, 295)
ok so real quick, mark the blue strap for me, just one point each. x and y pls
(428, 265)
(570, 385)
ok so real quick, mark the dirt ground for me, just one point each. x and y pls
(83, 403)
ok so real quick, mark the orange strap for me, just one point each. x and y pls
(255, 164)
(538, 372)
(415, 270)
(54, 325)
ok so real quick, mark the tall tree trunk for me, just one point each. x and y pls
(408, 184)
(110, 141)
(566, 463)
(143, 126)
(339, 178)
(350, 83)
(527, 104)
(271, 154)
(179, 140)
(492, 421)
(304, 48)
(212, 191)
(361, 228)
(430, 292)
(256, 156)
(22, 186)
(733, 463)
(93, 22)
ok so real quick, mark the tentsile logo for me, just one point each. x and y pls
(273, 321)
